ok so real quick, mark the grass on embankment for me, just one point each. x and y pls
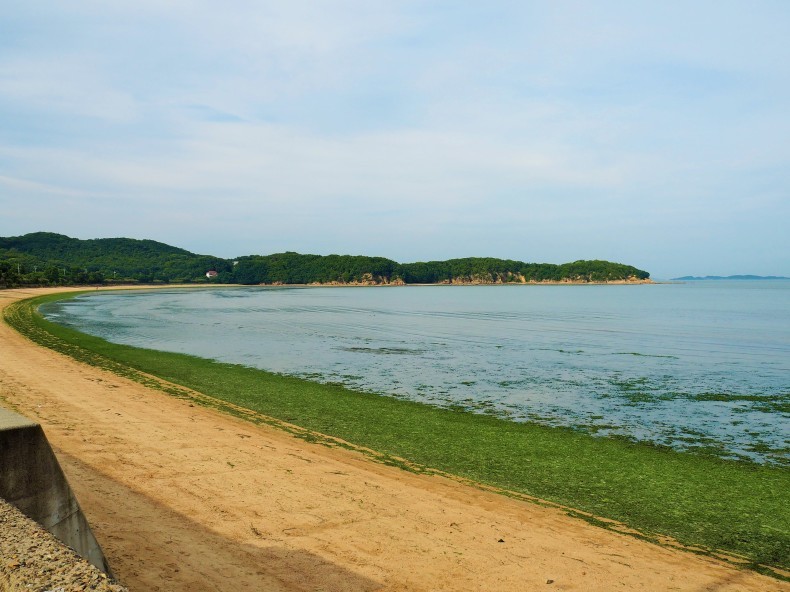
(736, 507)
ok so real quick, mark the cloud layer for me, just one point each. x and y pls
(548, 131)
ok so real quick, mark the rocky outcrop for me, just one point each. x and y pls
(367, 279)
(474, 280)
(517, 278)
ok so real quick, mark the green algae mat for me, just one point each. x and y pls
(734, 509)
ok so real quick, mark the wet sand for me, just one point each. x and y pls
(184, 498)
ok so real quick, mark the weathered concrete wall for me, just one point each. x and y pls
(31, 480)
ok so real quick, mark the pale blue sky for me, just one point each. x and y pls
(652, 133)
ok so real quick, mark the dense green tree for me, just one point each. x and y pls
(9, 275)
(93, 261)
(44, 258)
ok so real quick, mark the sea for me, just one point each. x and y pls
(701, 366)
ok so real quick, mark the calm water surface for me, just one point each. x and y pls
(702, 365)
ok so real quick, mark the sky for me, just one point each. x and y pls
(650, 133)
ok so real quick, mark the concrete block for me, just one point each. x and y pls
(31, 480)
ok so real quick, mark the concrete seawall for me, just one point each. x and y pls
(31, 480)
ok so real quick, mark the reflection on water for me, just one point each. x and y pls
(703, 365)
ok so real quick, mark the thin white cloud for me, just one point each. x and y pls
(27, 187)
(69, 85)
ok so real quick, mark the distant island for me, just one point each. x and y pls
(49, 259)
(731, 277)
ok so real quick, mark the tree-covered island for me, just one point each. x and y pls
(49, 259)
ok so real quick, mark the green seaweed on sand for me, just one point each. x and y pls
(764, 403)
(735, 509)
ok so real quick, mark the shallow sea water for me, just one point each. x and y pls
(703, 365)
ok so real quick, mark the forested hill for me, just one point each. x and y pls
(45, 258)
(293, 268)
(52, 259)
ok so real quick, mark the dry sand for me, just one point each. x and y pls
(183, 498)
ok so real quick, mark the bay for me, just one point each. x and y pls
(701, 366)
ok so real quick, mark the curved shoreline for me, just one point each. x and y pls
(372, 284)
(336, 507)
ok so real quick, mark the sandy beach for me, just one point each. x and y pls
(184, 498)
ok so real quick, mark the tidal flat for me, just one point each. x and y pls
(714, 505)
(700, 367)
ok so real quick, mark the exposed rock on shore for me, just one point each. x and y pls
(32, 560)
(476, 280)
